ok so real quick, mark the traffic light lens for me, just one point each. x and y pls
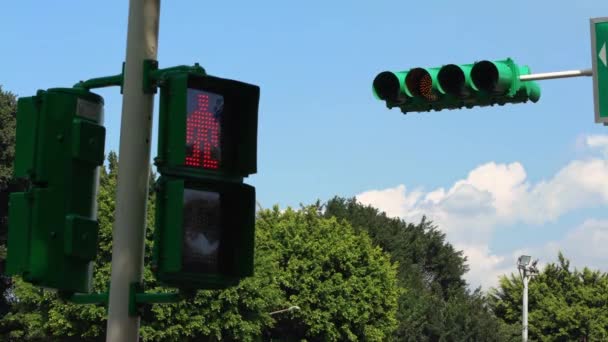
(202, 231)
(452, 79)
(386, 86)
(420, 83)
(203, 129)
(485, 76)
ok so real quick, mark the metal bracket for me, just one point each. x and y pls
(122, 81)
(152, 77)
(137, 297)
(89, 298)
(159, 75)
(101, 82)
(149, 85)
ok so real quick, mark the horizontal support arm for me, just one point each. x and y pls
(156, 75)
(89, 298)
(158, 298)
(151, 77)
(558, 74)
(100, 82)
(140, 298)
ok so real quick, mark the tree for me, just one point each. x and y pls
(435, 304)
(563, 304)
(8, 110)
(346, 288)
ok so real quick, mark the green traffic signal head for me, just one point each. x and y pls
(452, 86)
(389, 86)
(421, 82)
(454, 79)
(493, 77)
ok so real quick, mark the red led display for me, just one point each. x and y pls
(203, 129)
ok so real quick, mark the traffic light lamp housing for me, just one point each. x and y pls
(208, 125)
(53, 228)
(205, 218)
(452, 86)
(204, 232)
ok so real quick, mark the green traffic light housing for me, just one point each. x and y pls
(205, 222)
(204, 235)
(207, 126)
(52, 238)
(484, 83)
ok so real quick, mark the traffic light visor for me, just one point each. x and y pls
(491, 76)
(452, 80)
(386, 86)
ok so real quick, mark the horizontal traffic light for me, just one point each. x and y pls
(452, 86)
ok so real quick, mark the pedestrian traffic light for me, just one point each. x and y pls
(452, 86)
(205, 214)
(208, 126)
(52, 238)
(207, 233)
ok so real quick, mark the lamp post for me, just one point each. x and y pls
(526, 271)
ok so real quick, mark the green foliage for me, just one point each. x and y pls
(346, 288)
(563, 304)
(434, 304)
(8, 110)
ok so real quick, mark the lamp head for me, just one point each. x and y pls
(523, 260)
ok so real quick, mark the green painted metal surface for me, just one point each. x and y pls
(484, 83)
(52, 225)
(599, 42)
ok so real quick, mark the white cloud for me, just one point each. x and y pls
(583, 246)
(393, 201)
(597, 142)
(499, 194)
(487, 267)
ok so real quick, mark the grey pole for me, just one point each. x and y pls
(133, 170)
(557, 74)
(524, 336)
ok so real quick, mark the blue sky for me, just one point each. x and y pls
(322, 133)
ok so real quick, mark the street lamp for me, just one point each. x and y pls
(289, 309)
(523, 260)
(526, 272)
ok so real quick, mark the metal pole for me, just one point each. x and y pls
(133, 170)
(525, 308)
(557, 74)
